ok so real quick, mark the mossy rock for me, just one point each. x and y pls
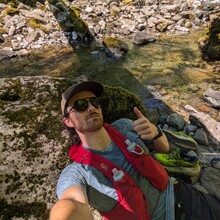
(119, 103)
(15, 3)
(34, 24)
(210, 41)
(53, 2)
(81, 26)
(23, 210)
(74, 13)
(127, 2)
(10, 11)
(115, 47)
(36, 140)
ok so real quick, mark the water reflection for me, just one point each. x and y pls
(171, 62)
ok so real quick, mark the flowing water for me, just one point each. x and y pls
(171, 68)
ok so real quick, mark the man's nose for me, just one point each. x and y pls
(90, 107)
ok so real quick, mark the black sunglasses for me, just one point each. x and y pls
(81, 105)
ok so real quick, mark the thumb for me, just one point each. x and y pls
(138, 112)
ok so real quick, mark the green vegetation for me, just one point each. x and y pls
(2, 30)
(14, 3)
(10, 11)
(74, 13)
(33, 23)
(119, 103)
(210, 41)
(81, 26)
(111, 42)
(24, 210)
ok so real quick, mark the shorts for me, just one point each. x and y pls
(191, 204)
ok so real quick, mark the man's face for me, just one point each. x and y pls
(89, 120)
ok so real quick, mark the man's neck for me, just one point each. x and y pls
(97, 140)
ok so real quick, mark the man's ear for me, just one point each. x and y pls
(68, 122)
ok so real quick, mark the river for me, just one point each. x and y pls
(171, 68)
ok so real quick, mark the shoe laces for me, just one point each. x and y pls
(179, 154)
(175, 155)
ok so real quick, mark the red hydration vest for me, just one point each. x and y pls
(131, 201)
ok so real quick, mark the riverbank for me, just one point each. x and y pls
(25, 28)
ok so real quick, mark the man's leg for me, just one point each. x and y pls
(191, 204)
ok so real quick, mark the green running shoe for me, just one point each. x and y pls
(179, 162)
(181, 140)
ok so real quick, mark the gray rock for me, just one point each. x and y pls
(54, 9)
(6, 53)
(141, 38)
(201, 137)
(209, 124)
(33, 36)
(11, 30)
(190, 128)
(31, 14)
(115, 47)
(176, 120)
(210, 181)
(213, 97)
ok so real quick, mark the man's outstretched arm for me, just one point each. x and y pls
(73, 205)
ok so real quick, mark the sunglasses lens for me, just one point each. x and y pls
(95, 102)
(81, 105)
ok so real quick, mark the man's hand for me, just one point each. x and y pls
(147, 131)
(144, 128)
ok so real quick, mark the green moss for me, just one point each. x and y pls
(55, 1)
(14, 93)
(50, 127)
(10, 11)
(81, 26)
(24, 115)
(15, 3)
(119, 103)
(23, 210)
(74, 13)
(127, 2)
(1, 19)
(10, 95)
(211, 40)
(33, 23)
(111, 41)
(2, 30)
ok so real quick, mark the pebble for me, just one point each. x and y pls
(113, 20)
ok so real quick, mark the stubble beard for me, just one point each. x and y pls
(91, 124)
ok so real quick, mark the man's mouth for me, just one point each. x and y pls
(93, 115)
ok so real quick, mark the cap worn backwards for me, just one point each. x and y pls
(92, 86)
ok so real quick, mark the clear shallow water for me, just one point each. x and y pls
(173, 63)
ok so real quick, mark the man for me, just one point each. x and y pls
(113, 170)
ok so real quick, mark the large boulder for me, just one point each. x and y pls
(34, 143)
(210, 42)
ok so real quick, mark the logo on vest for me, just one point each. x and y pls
(104, 166)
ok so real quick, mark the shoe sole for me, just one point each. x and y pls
(188, 171)
(181, 142)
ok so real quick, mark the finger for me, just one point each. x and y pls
(144, 132)
(141, 127)
(139, 121)
(138, 112)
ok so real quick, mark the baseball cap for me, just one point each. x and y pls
(92, 86)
